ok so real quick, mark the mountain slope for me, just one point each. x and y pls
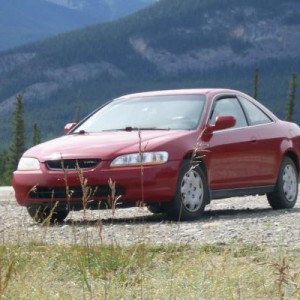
(104, 9)
(172, 44)
(26, 21)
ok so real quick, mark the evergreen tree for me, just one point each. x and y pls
(4, 175)
(255, 83)
(78, 108)
(17, 147)
(36, 135)
(291, 101)
(77, 117)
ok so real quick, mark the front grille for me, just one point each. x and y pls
(72, 164)
(75, 192)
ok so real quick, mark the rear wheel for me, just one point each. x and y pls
(44, 214)
(286, 189)
(191, 194)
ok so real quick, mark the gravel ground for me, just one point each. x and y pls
(243, 220)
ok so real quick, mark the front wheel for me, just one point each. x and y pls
(286, 189)
(44, 214)
(155, 208)
(191, 194)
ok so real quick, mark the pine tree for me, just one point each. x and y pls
(36, 135)
(291, 101)
(255, 83)
(77, 117)
(17, 147)
(4, 175)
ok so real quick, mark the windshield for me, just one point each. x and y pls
(152, 112)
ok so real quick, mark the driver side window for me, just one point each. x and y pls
(229, 106)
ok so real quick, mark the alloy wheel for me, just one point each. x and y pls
(290, 183)
(192, 191)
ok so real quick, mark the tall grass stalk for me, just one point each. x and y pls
(6, 274)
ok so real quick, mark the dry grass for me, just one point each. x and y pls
(40, 271)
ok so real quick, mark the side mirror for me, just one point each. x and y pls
(222, 122)
(68, 127)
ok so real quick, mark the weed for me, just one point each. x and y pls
(113, 197)
(6, 274)
(287, 278)
(87, 191)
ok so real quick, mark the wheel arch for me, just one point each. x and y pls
(189, 157)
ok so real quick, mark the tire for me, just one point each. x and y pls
(286, 189)
(191, 194)
(156, 208)
(44, 214)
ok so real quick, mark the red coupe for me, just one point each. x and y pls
(173, 151)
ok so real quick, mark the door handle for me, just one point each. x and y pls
(253, 139)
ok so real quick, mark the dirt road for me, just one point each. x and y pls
(243, 220)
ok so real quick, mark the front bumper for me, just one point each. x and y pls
(156, 183)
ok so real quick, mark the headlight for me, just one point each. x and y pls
(28, 164)
(137, 159)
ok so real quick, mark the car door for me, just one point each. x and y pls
(235, 154)
(270, 139)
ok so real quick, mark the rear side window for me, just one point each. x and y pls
(229, 106)
(254, 114)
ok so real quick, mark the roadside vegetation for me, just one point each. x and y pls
(41, 271)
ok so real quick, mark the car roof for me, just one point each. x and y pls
(203, 91)
(211, 92)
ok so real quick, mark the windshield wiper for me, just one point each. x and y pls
(131, 128)
(82, 131)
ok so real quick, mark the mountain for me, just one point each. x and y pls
(104, 9)
(22, 21)
(171, 44)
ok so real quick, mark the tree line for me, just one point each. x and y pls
(9, 158)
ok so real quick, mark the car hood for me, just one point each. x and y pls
(105, 145)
